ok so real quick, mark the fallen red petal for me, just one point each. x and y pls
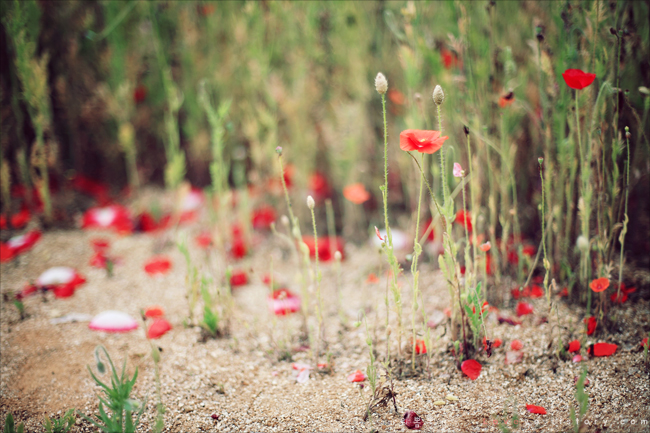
(471, 368)
(535, 409)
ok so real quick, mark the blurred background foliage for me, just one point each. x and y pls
(300, 75)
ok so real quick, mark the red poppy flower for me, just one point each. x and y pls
(506, 100)
(325, 252)
(536, 292)
(464, 217)
(422, 141)
(263, 217)
(147, 223)
(357, 376)
(524, 308)
(158, 266)
(22, 243)
(115, 217)
(484, 247)
(432, 235)
(591, 325)
(412, 421)
(204, 240)
(449, 59)
(356, 193)
(238, 249)
(319, 186)
(154, 312)
(574, 346)
(61, 280)
(516, 345)
(396, 97)
(372, 279)
(602, 349)
(20, 219)
(535, 409)
(6, 252)
(576, 79)
(618, 298)
(599, 284)
(139, 94)
(564, 292)
(238, 278)
(420, 347)
(158, 328)
(497, 342)
(471, 368)
(282, 302)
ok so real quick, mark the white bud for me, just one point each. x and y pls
(381, 84)
(582, 243)
(338, 256)
(310, 202)
(438, 95)
(285, 220)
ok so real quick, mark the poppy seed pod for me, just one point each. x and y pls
(438, 95)
(381, 84)
(310, 202)
(582, 243)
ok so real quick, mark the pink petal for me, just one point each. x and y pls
(458, 170)
(113, 321)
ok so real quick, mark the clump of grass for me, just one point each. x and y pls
(11, 427)
(60, 425)
(578, 420)
(117, 398)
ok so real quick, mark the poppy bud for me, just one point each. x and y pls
(627, 132)
(438, 95)
(278, 150)
(612, 30)
(466, 129)
(540, 160)
(381, 84)
(582, 243)
(285, 220)
(310, 202)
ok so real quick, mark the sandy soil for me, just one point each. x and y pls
(242, 381)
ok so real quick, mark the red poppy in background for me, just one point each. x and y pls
(421, 141)
(535, 409)
(17, 220)
(158, 328)
(139, 94)
(204, 240)
(464, 217)
(396, 97)
(602, 349)
(147, 223)
(576, 79)
(238, 278)
(432, 235)
(158, 266)
(420, 347)
(357, 376)
(506, 100)
(599, 284)
(356, 193)
(88, 186)
(263, 217)
(524, 308)
(325, 251)
(6, 252)
(449, 59)
(497, 342)
(372, 279)
(471, 368)
(114, 217)
(621, 297)
(319, 186)
(238, 248)
(574, 346)
(591, 323)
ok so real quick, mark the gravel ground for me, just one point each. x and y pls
(242, 381)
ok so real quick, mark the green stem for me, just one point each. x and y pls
(625, 220)
(442, 161)
(319, 307)
(414, 266)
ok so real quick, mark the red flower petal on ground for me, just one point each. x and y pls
(462, 216)
(591, 324)
(599, 284)
(20, 244)
(535, 409)
(574, 346)
(497, 342)
(20, 219)
(99, 260)
(6, 253)
(618, 298)
(412, 421)
(577, 358)
(644, 342)
(524, 308)
(158, 266)
(576, 79)
(372, 279)
(516, 345)
(263, 217)
(204, 240)
(238, 278)
(357, 376)
(147, 223)
(471, 368)
(154, 312)
(421, 141)
(282, 302)
(158, 328)
(602, 349)
(356, 193)
(99, 245)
